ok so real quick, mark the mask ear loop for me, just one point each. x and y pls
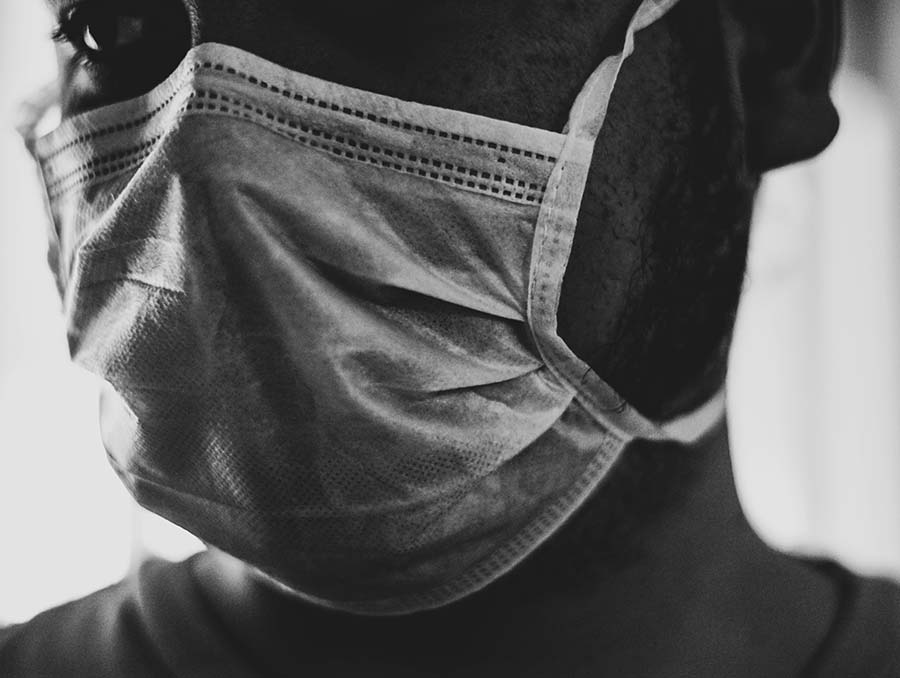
(35, 117)
(592, 104)
(554, 234)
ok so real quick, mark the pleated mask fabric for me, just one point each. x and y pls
(326, 321)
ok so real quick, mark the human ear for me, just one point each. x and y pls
(784, 55)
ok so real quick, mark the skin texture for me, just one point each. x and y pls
(659, 574)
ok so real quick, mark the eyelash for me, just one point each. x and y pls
(70, 30)
(73, 26)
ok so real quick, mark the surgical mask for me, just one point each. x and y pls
(326, 321)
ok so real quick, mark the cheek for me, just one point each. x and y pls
(641, 150)
(118, 73)
(657, 265)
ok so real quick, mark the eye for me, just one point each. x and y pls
(99, 30)
(118, 49)
(102, 37)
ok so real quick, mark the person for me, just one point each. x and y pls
(418, 315)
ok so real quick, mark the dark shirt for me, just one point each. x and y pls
(158, 624)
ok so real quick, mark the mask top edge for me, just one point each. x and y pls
(267, 78)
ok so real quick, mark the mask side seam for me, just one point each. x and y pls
(102, 167)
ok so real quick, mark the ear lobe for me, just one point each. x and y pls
(787, 56)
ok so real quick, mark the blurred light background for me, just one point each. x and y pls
(814, 386)
(814, 390)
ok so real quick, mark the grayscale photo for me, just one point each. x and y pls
(450, 339)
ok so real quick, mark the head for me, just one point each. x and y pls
(716, 93)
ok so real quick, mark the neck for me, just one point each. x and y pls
(704, 593)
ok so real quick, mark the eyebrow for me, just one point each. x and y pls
(58, 7)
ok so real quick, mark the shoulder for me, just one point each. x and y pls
(864, 641)
(113, 632)
(76, 639)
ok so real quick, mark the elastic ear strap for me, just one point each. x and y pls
(553, 243)
(589, 111)
(689, 428)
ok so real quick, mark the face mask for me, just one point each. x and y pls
(326, 319)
